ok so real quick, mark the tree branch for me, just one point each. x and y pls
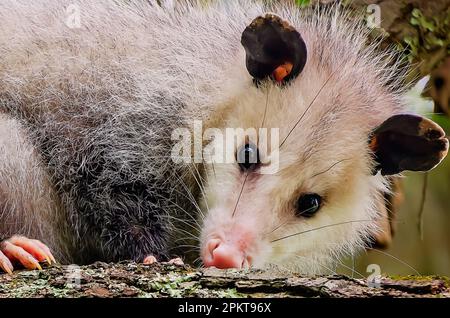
(162, 280)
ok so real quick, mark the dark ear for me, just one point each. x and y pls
(408, 142)
(273, 49)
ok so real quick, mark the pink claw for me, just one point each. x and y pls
(29, 253)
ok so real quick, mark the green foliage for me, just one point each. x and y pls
(303, 3)
(431, 34)
(421, 21)
(443, 121)
(412, 44)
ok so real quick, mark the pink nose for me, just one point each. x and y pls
(223, 255)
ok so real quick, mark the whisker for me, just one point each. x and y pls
(315, 175)
(353, 270)
(193, 247)
(319, 228)
(373, 249)
(289, 218)
(325, 171)
(353, 262)
(279, 226)
(189, 235)
(200, 184)
(197, 229)
(181, 208)
(318, 263)
(265, 109)
(191, 197)
(202, 188)
(422, 205)
(184, 251)
(307, 108)
(331, 167)
(396, 258)
(201, 266)
(240, 194)
(186, 239)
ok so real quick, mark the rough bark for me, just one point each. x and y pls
(128, 279)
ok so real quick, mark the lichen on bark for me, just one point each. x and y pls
(128, 279)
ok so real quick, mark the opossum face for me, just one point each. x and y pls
(256, 218)
(297, 208)
(306, 190)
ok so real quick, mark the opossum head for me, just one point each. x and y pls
(305, 188)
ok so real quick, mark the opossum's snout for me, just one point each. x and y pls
(225, 254)
(231, 245)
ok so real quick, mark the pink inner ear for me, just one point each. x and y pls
(282, 71)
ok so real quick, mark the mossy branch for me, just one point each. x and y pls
(128, 279)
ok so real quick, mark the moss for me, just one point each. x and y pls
(174, 285)
(445, 279)
(303, 3)
(231, 293)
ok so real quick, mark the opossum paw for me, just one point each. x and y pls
(176, 261)
(5, 264)
(150, 259)
(28, 252)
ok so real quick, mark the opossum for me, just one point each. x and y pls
(92, 94)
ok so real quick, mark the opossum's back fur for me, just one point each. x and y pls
(100, 101)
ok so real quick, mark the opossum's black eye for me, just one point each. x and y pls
(248, 157)
(308, 204)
